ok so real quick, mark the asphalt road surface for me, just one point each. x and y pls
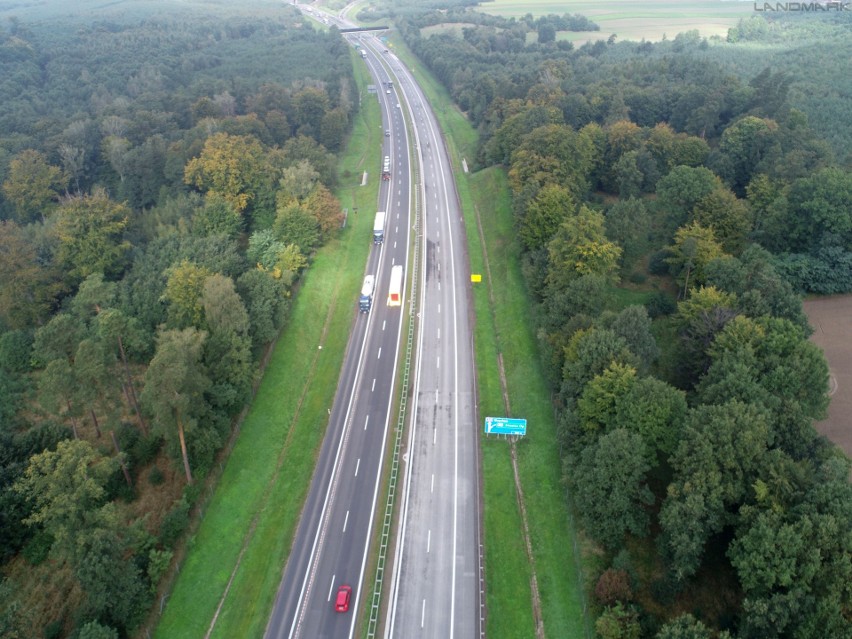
(435, 589)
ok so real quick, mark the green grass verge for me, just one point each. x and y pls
(266, 478)
(506, 328)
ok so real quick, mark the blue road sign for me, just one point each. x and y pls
(505, 426)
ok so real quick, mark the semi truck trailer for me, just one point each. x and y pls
(366, 299)
(379, 228)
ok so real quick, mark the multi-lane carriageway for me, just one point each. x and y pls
(432, 588)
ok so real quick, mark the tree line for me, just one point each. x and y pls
(165, 182)
(685, 423)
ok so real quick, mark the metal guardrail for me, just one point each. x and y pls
(400, 428)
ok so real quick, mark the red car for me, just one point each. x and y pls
(344, 594)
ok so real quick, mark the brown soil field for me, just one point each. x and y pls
(831, 318)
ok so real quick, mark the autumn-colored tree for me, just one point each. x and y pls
(612, 586)
(553, 154)
(90, 229)
(32, 186)
(27, 288)
(184, 289)
(231, 165)
(325, 208)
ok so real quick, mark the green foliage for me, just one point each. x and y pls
(266, 301)
(53, 630)
(65, 486)
(217, 217)
(175, 383)
(684, 626)
(115, 590)
(15, 347)
(156, 477)
(91, 230)
(125, 127)
(627, 223)
(728, 216)
(158, 563)
(94, 630)
(32, 186)
(714, 466)
(184, 291)
(694, 247)
(544, 215)
(174, 523)
(748, 143)
(618, 622)
(294, 225)
(609, 487)
(588, 354)
(232, 167)
(597, 405)
(656, 411)
(682, 189)
(28, 287)
(580, 248)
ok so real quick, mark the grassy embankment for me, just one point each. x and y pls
(505, 328)
(252, 517)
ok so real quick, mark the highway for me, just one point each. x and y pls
(435, 588)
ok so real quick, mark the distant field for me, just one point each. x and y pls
(634, 19)
(829, 317)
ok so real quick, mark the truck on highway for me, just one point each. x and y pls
(386, 168)
(379, 228)
(366, 299)
(395, 289)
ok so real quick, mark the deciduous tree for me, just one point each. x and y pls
(230, 165)
(580, 248)
(183, 292)
(32, 186)
(175, 383)
(718, 458)
(90, 229)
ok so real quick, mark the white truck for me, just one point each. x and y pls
(395, 288)
(366, 299)
(379, 228)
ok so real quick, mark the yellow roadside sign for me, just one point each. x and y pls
(475, 277)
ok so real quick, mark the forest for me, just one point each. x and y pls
(164, 182)
(673, 201)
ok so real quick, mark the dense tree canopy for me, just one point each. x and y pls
(140, 151)
(695, 167)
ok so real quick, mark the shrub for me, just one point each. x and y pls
(174, 523)
(657, 264)
(38, 548)
(53, 630)
(660, 304)
(613, 586)
(155, 477)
